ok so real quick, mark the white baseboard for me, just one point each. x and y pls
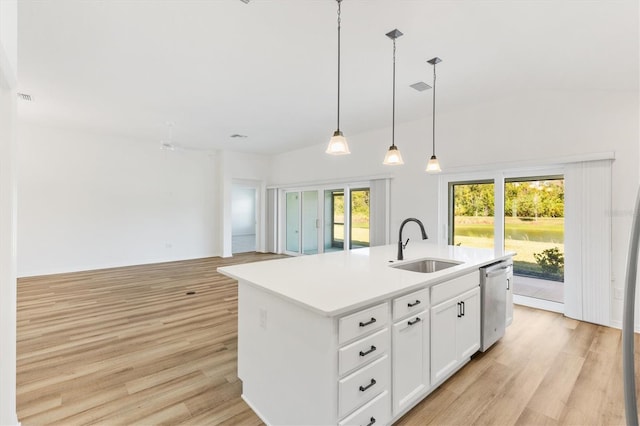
(532, 302)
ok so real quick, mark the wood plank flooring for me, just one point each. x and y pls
(129, 346)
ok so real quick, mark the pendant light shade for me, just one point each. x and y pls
(433, 166)
(393, 156)
(338, 143)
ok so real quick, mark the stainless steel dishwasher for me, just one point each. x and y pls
(494, 285)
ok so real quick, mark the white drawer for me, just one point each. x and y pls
(363, 322)
(454, 287)
(376, 412)
(362, 351)
(417, 301)
(363, 385)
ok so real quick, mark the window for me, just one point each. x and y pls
(360, 209)
(334, 220)
(471, 223)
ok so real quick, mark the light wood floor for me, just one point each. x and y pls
(129, 346)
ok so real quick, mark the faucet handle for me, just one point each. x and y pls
(404, 246)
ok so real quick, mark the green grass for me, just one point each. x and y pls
(525, 237)
(360, 236)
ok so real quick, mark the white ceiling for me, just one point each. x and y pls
(267, 69)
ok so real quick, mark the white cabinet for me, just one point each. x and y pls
(468, 325)
(455, 333)
(364, 366)
(410, 359)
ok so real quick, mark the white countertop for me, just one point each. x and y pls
(334, 283)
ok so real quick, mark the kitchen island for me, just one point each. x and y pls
(350, 337)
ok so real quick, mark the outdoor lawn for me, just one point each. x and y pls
(526, 236)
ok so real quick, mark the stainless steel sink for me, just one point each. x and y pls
(426, 266)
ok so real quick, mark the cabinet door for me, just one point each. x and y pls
(410, 359)
(468, 330)
(443, 339)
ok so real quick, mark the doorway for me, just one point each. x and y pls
(243, 218)
(525, 216)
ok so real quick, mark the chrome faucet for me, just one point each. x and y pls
(403, 246)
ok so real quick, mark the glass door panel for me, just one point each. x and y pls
(534, 229)
(334, 220)
(293, 222)
(471, 224)
(359, 232)
(310, 222)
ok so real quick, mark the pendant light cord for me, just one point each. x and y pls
(393, 114)
(339, 21)
(433, 128)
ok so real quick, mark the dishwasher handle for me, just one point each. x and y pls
(498, 271)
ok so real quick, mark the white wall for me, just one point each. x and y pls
(528, 126)
(91, 201)
(8, 79)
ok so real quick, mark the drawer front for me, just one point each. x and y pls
(376, 412)
(362, 351)
(363, 385)
(363, 322)
(417, 301)
(454, 287)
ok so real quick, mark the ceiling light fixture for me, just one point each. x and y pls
(433, 166)
(338, 143)
(393, 156)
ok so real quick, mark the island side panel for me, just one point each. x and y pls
(287, 359)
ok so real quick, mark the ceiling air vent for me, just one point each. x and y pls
(420, 86)
(25, 97)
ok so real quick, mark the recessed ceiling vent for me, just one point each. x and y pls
(420, 86)
(25, 97)
(237, 135)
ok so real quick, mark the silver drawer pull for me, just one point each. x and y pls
(364, 388)
(373, 348)
(371, 321)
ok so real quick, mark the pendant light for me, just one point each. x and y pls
(393, 157)
(338, 143)
(433, 166)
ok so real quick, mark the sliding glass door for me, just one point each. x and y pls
(302, 222)
(525, 216)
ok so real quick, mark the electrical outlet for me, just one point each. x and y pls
(263, 318)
